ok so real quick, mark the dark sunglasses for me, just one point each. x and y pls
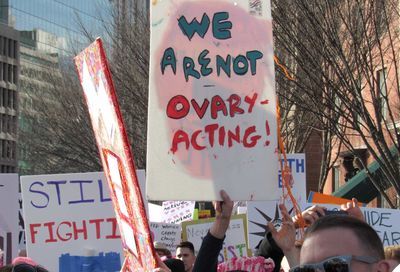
(24, 267)
(334, 264)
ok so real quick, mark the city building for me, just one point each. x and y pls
(9, 69)
(367, 165)
(46, 32)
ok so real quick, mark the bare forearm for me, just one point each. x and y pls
(292, 256)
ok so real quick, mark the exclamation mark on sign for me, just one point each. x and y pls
(268, 132)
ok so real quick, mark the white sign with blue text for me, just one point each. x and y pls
(259, 213)
(386, 222)
(70, 222)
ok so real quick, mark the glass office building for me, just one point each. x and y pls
(46, 31)
(56, 24)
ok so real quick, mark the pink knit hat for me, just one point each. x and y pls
(26, 260)
(251, 264)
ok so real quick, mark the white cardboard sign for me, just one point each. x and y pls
(169, 234)
(260, 212)
(70, 222)
(212, 114)
(235, 243)
(155, 212)
(386, 222)
(9, 231)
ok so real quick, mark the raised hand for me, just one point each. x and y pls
(353, 209)
(285, 237)
(223, 216)
(310, 215)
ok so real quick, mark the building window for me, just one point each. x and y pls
(1, 123)
(15, 123)
(5, 46)
(1, 44)
(10, 99)
(10, 73)
(382, 92)
(10, 48)
(15, 100)
(3, 148)
(1, 71)
(15, 74)
(384, 203)
(4, 74)
(4, 102)
(336, 178)
(358, 117)
(5, 125)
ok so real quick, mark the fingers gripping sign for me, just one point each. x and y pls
(224, 208)
(353, 208)
(223, 215)
(312, 214)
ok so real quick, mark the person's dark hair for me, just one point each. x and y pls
(25, 267)
(7, 268)
(186, 244)
(175, 265)
(365, 234)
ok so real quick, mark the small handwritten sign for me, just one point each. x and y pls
(175, 212)
(235, 243)
(169, 234)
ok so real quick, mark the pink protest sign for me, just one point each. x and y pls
(212, 113)
(116, 157)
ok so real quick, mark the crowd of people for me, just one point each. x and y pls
(332, 243)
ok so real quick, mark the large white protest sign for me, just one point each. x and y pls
(175, 212)
(142, 183)
(70, 222)
(9, 217)
(235, 243)
(386, 222)
(259, 213)
(212, 114)
(169, 234)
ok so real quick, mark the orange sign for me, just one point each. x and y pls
(319, 198)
